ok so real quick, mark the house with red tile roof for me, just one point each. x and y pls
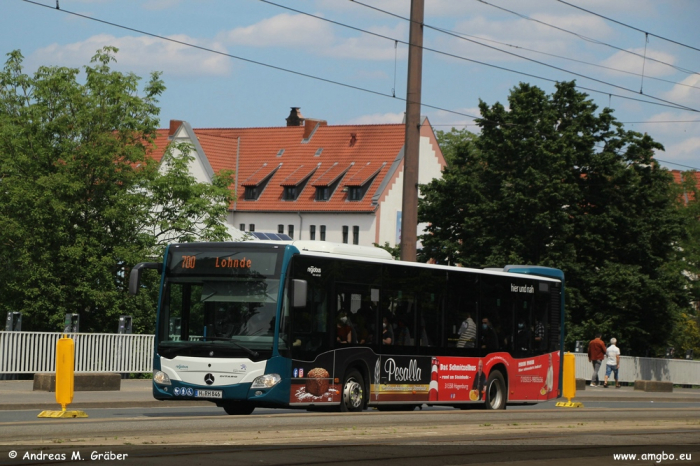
(678, 178)
(311, 180)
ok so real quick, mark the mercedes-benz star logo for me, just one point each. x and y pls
(209, 379)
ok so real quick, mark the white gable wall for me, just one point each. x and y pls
(197, 166)
(429, 168)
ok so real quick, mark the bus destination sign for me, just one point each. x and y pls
(223, 263)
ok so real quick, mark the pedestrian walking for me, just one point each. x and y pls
(612, 363)
(596, 354)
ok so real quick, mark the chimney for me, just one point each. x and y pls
(174, 125)
(295, 117)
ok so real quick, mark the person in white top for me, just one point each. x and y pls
(612, 363)
(467, 333)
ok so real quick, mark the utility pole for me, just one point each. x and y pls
(409, 215)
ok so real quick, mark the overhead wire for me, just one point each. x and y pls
(664, 102)
(587, 39)
(628, 26)
(247, 60)
(632, 73)
(297, 72)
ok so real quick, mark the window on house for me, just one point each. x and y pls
(356, 235)
(290, 193)
(323, 193)
(251, 193)
(241, 227)
(251, 227)
(290, 231)
(323, 232)
(345, 234)
(312, 232)
(355, 193)
(280, 228)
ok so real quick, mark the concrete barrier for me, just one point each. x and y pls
(83, 381)
(653, 386)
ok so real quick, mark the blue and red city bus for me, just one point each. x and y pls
(312, 324)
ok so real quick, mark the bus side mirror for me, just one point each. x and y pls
(299, 293)
(135, 275)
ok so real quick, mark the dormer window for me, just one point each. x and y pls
(323, 193)
(358, 185)
(294, 184)
(326, 183)
(255, 184)
(290, 193)
(355, 193)
(251, 193)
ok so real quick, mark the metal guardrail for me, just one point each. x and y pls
(678, 371)
(31, 352)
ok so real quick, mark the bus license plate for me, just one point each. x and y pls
(208, 394)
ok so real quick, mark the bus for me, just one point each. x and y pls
(320, 325)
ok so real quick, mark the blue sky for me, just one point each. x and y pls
(212, 90)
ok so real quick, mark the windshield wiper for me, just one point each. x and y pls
(231, 340)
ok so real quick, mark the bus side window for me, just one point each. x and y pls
(541, 322)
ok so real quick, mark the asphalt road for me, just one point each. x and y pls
(540, 434)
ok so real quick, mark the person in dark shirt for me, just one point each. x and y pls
(387, 332)
(489, 338)
(522, 339)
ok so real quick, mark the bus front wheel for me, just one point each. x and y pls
(496, 395)
(238, 407)
(353, 396)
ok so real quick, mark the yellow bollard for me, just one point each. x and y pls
(65, 365)
(569, 382)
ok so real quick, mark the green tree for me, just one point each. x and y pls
(77, 191)
(551, 181)
(181, 209)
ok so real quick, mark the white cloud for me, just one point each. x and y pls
(317, 37)
(377, 118)
(634, 63)
(521, 33)
(282, 30)
(670, 124)
(686, 151)
(689, 96)
(141, 55)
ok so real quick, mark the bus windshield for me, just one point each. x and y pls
(219, 302)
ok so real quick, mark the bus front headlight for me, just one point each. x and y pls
(266, 381)
(161, 378)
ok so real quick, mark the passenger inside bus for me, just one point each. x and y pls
(387, 332)
(489, 338)
(467, 333)
(344, 330)
(522, 339)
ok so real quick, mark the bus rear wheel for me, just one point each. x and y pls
(496, 395)
(353, 396)
(238, 408)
